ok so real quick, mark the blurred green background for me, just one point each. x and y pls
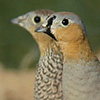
(17, 47)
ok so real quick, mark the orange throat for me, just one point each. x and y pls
(77, 50)
(74, 43)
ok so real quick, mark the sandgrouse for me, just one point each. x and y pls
(48, 84)
(81, 69)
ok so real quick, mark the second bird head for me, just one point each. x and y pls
(63, 26)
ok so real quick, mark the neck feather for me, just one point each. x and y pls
(77, 50)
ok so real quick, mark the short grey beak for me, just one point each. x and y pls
(15, 21)
(41, 29)
(45, 30)
(18, 21)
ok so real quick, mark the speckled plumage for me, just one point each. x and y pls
(48, 84)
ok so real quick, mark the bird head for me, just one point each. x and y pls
(31, 20)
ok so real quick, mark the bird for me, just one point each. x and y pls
(48, 81)
(81, 68)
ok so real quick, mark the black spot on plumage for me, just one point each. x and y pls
(48, 31)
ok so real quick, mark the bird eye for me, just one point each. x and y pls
(65, 22)
(37, 19)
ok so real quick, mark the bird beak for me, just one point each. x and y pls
(45, 30)
(15, 21)
(19, 20)
(41, 29)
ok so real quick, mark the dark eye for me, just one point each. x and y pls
(37, 19)
(65, 22)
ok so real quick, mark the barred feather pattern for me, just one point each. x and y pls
(48, 84)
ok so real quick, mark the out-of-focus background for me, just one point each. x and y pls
(19, 52)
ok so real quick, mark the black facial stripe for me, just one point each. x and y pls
(47, 17)
(48, 31)
(50, 21)
(50, 34)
